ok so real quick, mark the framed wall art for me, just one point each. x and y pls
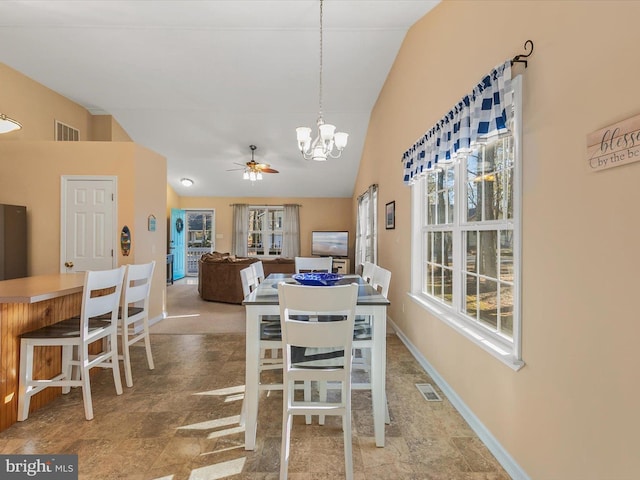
(390, 215)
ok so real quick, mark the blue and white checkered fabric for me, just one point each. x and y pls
(483, 113)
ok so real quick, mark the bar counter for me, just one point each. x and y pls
(26, 304)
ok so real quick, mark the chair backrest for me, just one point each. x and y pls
(368, 268)
(258, 270)
(249, 280)
(137, 285)
(299, 301)
(381, 280)
(314, 264)
(101, 297)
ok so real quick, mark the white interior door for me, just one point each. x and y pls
(88, 220)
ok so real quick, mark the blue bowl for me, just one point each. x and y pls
(317, 279)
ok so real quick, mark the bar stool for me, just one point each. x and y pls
(100, 296)
(134, 314)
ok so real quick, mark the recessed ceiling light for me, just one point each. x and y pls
(187, 182)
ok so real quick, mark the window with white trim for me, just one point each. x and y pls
(466, 241)
(265, 231)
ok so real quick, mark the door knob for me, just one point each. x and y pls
(68, 264)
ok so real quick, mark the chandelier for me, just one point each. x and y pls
(328, 142)
(8, 124)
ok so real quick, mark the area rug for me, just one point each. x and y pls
(187, 313)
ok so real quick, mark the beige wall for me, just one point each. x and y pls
(572, 411)
(37, 108)
(31, 165)
(315, 214)
(106, 129)
(31, 175)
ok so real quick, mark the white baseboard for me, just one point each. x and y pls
(503, 457)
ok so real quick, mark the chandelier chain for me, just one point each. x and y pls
(321, 55)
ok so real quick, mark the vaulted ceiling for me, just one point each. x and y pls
(199, 81)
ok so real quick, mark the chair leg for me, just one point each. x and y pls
(126, 357)
(26, 375)
(346, 428)
(147, 344)
(287, 421)
(322, 388)
(307, 398)
(67, 366)
(348, 455)
(86, 388)
(243, 413)
(115, 364)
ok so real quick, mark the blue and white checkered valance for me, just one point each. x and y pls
(482, 114)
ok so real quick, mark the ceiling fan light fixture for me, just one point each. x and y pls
(323, 145)
(187, 182)
(8, 124)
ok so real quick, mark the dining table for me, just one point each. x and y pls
(264, 301)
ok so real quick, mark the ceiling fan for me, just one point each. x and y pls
(253, 170)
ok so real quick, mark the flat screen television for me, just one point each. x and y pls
(330, 244)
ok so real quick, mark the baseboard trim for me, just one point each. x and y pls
(503, 457)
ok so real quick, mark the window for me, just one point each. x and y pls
(367, 227)
(265, 231)
(466, 237)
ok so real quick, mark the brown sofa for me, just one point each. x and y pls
(219, 275)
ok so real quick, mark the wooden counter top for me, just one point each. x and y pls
(40, 287)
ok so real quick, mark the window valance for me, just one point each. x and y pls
(478, 116)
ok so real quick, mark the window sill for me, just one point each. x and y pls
(498, 350)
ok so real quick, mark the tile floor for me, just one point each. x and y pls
(180, 421)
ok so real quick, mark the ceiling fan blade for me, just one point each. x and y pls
(269, 170)
(234, 169)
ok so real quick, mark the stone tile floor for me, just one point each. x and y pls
(181, 421)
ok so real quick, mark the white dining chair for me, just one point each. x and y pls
(270, 337)
(100, 296)
(258, 271)
(362, 340)
(313, 264)
(134, 314)
(368, 268)
(301, 336)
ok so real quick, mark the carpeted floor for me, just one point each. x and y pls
(187, 313)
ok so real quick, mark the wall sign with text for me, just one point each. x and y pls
(615, 145)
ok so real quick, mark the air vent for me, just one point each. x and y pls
(66, 133)
(428, 392)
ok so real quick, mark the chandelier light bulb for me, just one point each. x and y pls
(245, 175)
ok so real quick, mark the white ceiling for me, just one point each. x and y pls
(199, 81)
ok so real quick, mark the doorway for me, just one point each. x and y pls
(200, 237)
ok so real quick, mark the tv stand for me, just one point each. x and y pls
(341, 266)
